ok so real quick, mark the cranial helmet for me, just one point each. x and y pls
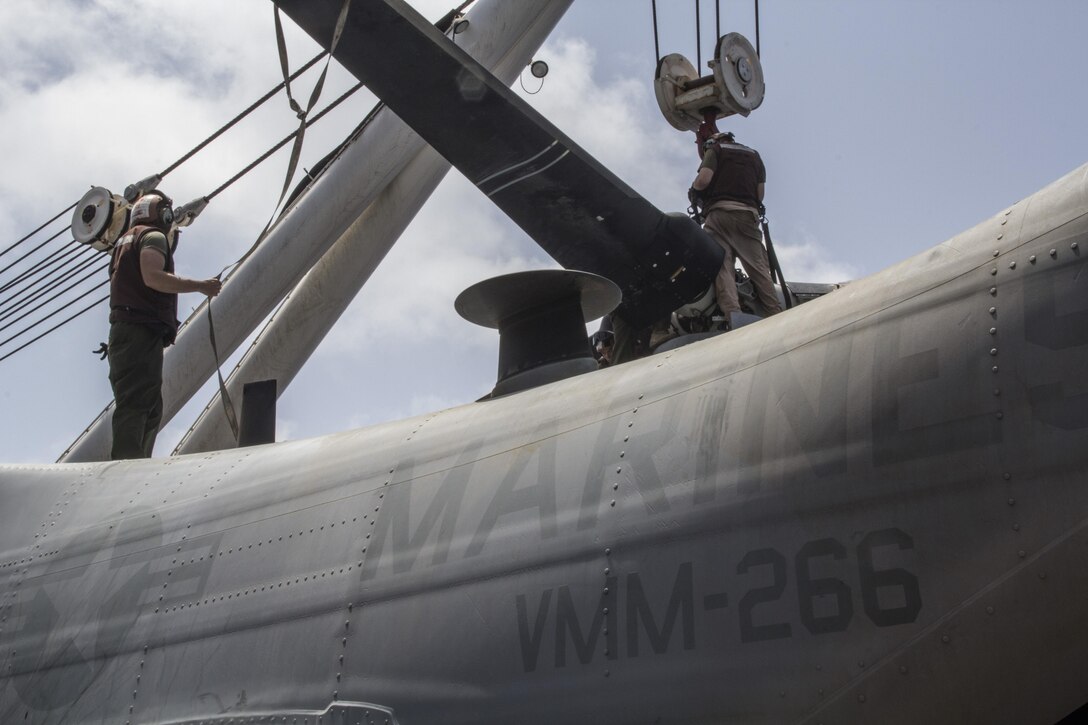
(153, 208)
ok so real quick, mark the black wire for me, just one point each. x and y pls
(43, 265)
(38, 267)
(657, 49)
(62, 262)
(90, 263)
(20, 259)
(60, 324)
(43, 286)
(59, 294)
(698, 42)
(287, 139)
(264, 156)
(192, 152)
(757, 28)
(521, 79)
(43, 226)
(309, 122)
(51, 314)
(243, 114)
(66, 274)
(717, 19)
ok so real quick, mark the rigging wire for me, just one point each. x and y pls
(42, 285)
(657, 48)
(38, 294)
(757, 29)
(200, 146)
(56, 283)
(698, 42)
(39, 266)
(286, 139)
(69, 288)
(43, 226)
(718, 19)
(309, 64)
(64, 322)
(20, 259)
(61, 259)
(65, 258)
(53, 313)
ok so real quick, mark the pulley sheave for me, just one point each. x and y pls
(99, 218)
(734, 86)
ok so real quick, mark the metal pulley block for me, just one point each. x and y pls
(99, 218)
(734, 86)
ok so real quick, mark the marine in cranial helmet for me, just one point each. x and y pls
(143, 321)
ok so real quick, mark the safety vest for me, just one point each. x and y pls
(133, 301)
(738, 172)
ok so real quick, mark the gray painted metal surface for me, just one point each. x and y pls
(869, 508)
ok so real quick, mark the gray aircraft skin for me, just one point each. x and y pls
(870, 508)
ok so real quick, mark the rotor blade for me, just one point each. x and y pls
(577, 210)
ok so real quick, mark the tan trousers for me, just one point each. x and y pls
(738, 233)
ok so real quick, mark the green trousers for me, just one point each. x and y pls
(135, 353)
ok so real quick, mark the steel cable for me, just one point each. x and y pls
(56, 258)
(657, 48)
(51, 314)
(199, 147)
(286, 139)
(757, 30)
(310, 121)
(43, 226)
(698, 42)
(64, 322)
(58, 266)
(35, 249)
(8, 313)
(230, 124)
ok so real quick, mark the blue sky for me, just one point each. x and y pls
(888, 126)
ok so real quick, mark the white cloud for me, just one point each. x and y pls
(809, 261)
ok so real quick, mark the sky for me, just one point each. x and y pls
(888, 126)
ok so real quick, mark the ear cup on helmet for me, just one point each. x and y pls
(153, 208)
